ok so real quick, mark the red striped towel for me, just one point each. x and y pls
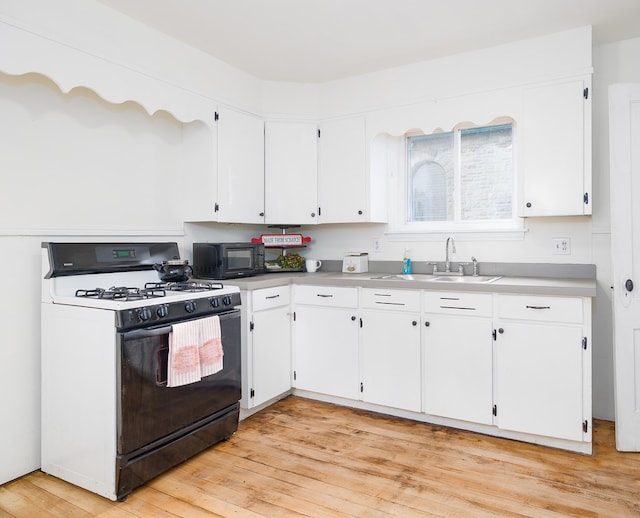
(184, 358)
(210, 349)
(195, 351)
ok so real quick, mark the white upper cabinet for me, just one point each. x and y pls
(555, 177)
(200, 168)
(291, 172)
(342, 187)
(240, 167)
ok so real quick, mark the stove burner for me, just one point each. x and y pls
(122, 293)
(184, 286)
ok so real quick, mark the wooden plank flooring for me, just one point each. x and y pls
(307, 458)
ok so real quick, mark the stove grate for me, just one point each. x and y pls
(122, 293)
(191, 286)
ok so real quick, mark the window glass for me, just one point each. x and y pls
(431, 177)
(486, 173)
(462, 176)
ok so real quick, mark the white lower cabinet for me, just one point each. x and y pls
(457, 343)
(458, 367)
(326, 340)
(267, 352)
(390, 348)
(543, 366)
(518, 365)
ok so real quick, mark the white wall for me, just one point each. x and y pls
(75, 167)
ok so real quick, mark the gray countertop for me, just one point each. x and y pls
(583, 287)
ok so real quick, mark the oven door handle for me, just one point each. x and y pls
(144, 333)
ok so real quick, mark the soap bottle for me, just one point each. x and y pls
(406, 263)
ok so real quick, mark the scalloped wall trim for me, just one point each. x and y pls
(71, 68)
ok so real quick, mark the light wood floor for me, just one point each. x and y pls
(306, 458)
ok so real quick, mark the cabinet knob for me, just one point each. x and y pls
(360, 213)
(414, 323)
(261, 214)
(353, 318)
(427, 324)
(501, 331)
(313, 214)
(628, 285)
(528, 205)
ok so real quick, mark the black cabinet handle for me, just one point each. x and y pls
(414, 323)
(427, 324)
(261, 214)
(501, 331)
(628, 285)
(528, 205)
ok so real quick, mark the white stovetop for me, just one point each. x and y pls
(62, 290)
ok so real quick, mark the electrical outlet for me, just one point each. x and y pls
(561, 246)
(376, 244)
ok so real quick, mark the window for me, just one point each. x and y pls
(464, 179)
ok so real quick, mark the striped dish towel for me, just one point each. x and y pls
(184, 358)
(210, 348)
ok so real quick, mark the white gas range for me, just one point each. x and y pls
(111, 420)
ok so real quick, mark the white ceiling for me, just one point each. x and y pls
(323, 40)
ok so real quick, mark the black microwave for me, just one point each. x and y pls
(227, 260)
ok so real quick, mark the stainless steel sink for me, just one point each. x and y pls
(403, 277)
(466, 279)
(462, 279)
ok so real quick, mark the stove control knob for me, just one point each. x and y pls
(190, 306)
(215, 302)
(162, 311)
(226, 300)
(144, 314)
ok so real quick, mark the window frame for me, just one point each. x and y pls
(505, 229)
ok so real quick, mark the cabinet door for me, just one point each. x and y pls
(539, 379)
(391, 359)
(271, 353)
(200, 170)
(342, 192)
(291, 172)
(556, 150)
(458, 367)
(240, 167)
(326, 351)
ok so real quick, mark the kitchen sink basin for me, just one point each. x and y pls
(462, 279)
(403, 277)
(466, 279)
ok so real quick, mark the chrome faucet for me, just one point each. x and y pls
(475, 266)
(447, 262)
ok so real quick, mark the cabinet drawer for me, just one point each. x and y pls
(327, 296)
(398, 300)
(451, 302)
(270, 297)
(540, 308)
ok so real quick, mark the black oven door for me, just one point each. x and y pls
(149, 410)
